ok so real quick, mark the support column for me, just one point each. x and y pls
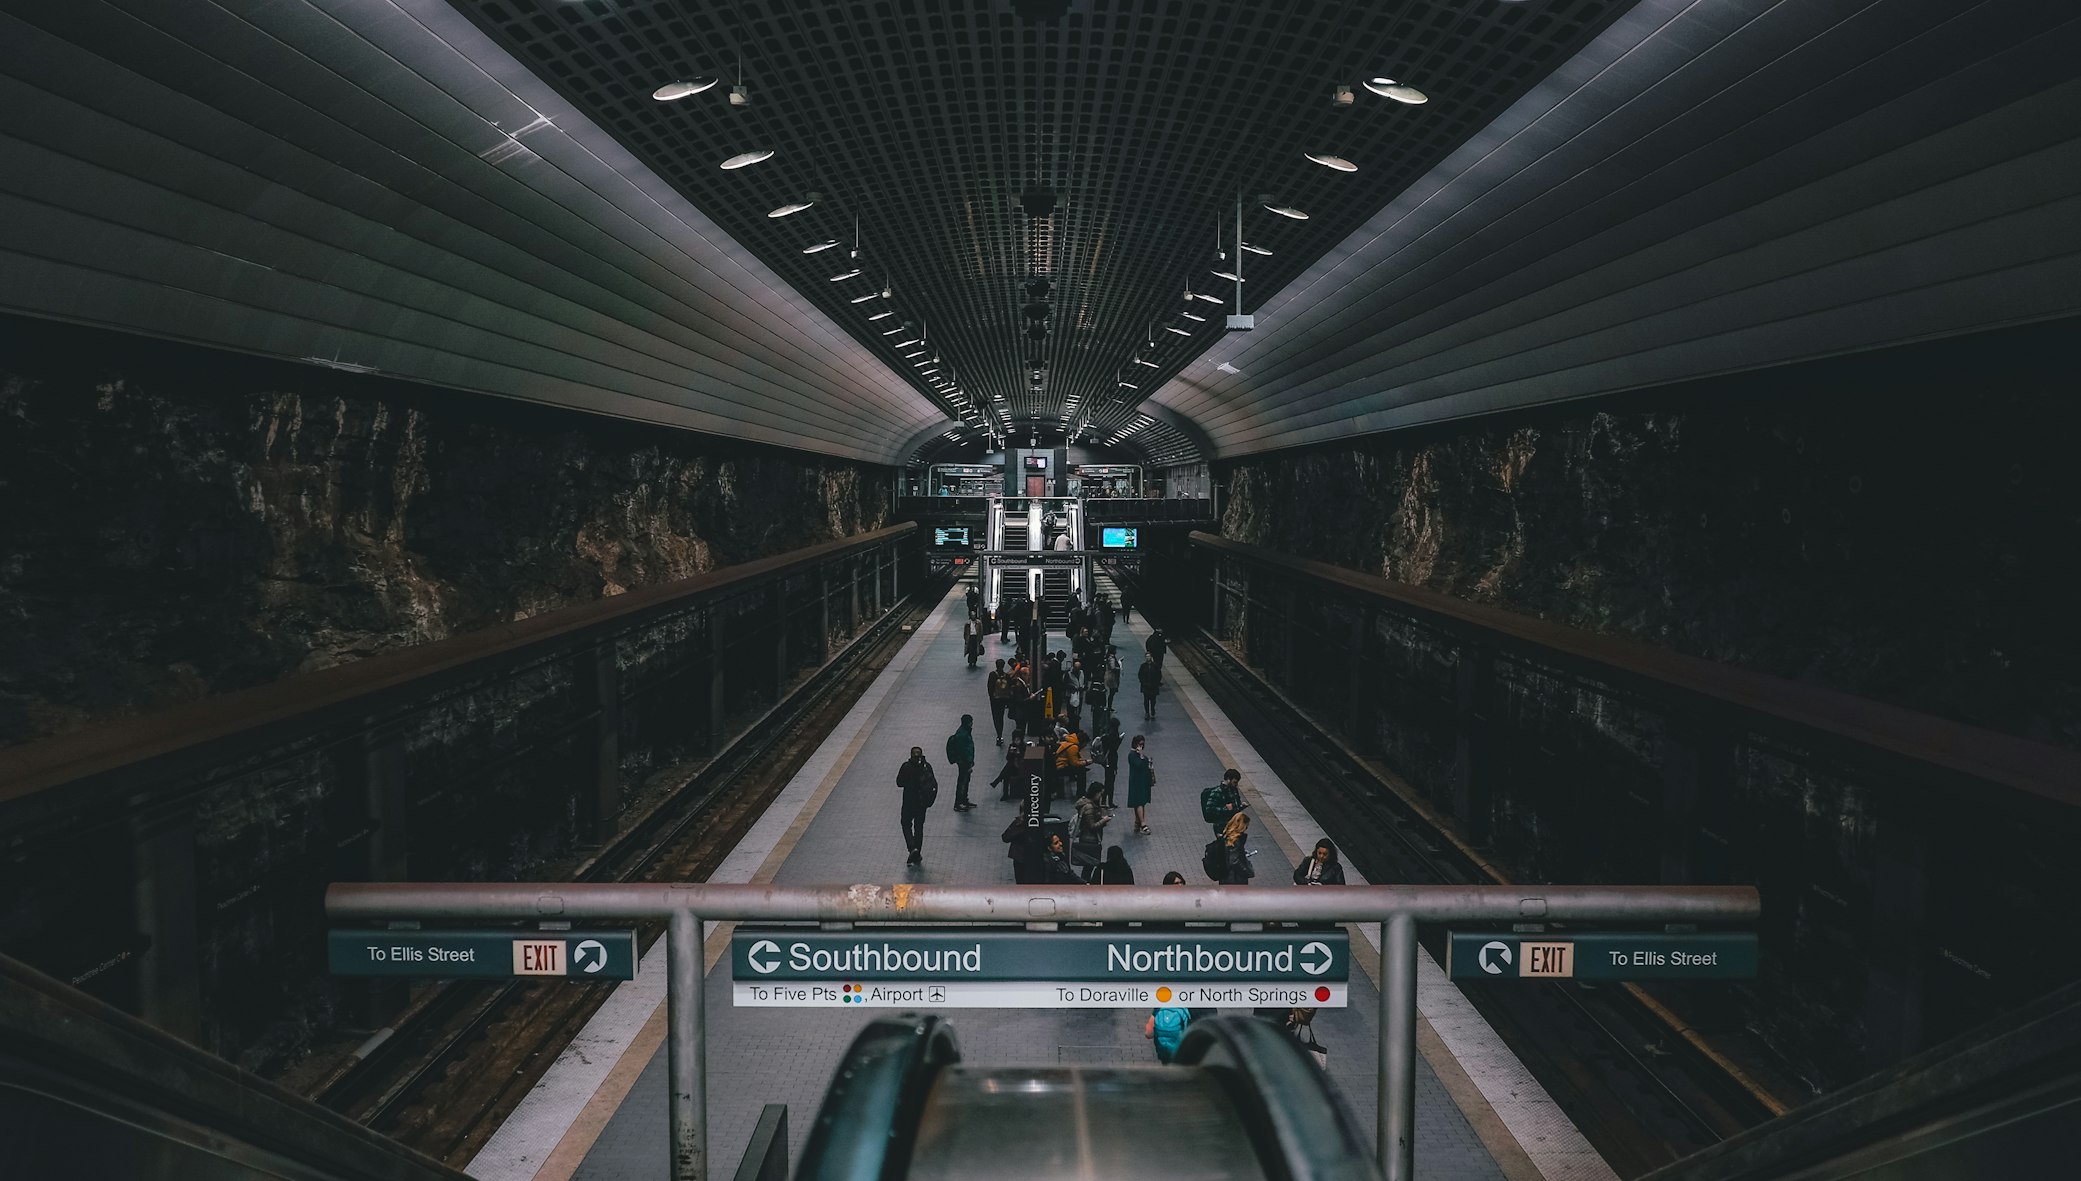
(878, 608)
(169, 972)
(1895, 979)
(1290, 635)
(605, 686)
(1358, 724)
(717, 687)
(823, 646)
(686, 1081)
(1471, 803)
(852, 612)
(1397, 1116)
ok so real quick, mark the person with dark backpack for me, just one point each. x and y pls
(1236, 869)
(920, 791)
(1222, 801)
(961, 753)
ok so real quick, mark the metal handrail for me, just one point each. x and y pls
(1304, 1118)
(685, 907)
(868, 1123)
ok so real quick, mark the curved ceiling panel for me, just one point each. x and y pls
(373, 184)
(1705, 188)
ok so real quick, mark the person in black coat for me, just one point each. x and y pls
(1320, 868)
(1024, 851)
(920, 789)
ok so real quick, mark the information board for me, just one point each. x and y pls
(1000, 969)
(581, 955)
(1602, 955)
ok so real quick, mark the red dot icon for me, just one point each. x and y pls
(1322, 994)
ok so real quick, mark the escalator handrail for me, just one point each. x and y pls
(868, 1122)
(1300, 1126)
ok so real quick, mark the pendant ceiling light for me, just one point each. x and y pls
(1328, 161)
(1229, 275)
(673, 91)
(1255, 249)
(842, 276)
(791, 208)
(883, 314)
(745, 160)
(866, 297)
(816, 247)
(1176, 329)
(1287, 211)
(1194, 316)
(1389, 88)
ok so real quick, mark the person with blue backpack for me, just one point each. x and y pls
(1166, 1028)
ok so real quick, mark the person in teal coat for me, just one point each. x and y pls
(1141, 776)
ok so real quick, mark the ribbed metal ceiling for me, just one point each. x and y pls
(924, 123)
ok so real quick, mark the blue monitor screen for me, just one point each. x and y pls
(950, 535)
(1118, 537)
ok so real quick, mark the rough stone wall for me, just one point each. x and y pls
(1899, 525)
(181, 522)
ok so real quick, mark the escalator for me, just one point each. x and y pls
(1242, 1102)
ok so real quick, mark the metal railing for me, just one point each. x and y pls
(1104, 510)
(1398, 909)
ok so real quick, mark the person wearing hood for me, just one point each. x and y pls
(961, 753)
(920, 791)
(1320, 868)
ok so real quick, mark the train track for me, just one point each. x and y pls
(455, 1065)
(1642, 1096)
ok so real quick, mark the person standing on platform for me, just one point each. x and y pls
(1110, 741)
(1126, 607)
(1158, 644)
(1024, 850)
(971, 640)
(1235, 842)
(1115, 871)
(1141, 778)
(920, 790)
(1151, 678)
(1007, 610)
(1112, 672)
(975, 605)
(1000, 690)
(1222, 802)
(961, 753)
(1013, 774)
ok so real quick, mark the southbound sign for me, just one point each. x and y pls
(996, 968)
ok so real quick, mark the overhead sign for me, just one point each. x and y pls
(996, 968)
(577, 955)
(1036, 557)
(1602, 955)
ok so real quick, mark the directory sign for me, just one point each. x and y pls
(576, 955)
(1001, 969)
(1602, 955)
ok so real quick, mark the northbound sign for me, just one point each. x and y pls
(580, 955)
(996, 968)
(1602, 955)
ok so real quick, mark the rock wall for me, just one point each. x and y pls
(1899, 525)
(183, 522)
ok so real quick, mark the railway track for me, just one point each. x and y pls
(460, 1059)
(1642, 1097)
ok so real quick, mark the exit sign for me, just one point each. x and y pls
(570, 955)
(1602, 955)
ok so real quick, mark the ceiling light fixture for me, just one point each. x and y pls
(672, 91)
(792, 208)
(1254, 249)
(1194, 316)
(866, 297)
(844, 275)
(1328, 161)
(1389, 88)
(904, 344)
(814, 247)
(745, 160)
(884, 314)
(1287, 211)
(1128, 385)
(1229, 275)
(1176, 329)
(1150, 364)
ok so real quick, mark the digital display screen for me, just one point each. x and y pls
(950, 535)
(1038, 463)
(1119, 537)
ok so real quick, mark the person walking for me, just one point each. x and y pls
(961, 753)
(1151, 678)
(1321, 867)
(999, 688)
(975, 604)
(1141, 777)
(971, 640)
(1158, 644)
(920, 790)
(1236, 869)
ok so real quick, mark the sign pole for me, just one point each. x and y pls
(684, 1050)
(1397, 1126)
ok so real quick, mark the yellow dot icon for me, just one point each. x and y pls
(1163, 995)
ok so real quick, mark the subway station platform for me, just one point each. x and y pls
(599, 1114)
